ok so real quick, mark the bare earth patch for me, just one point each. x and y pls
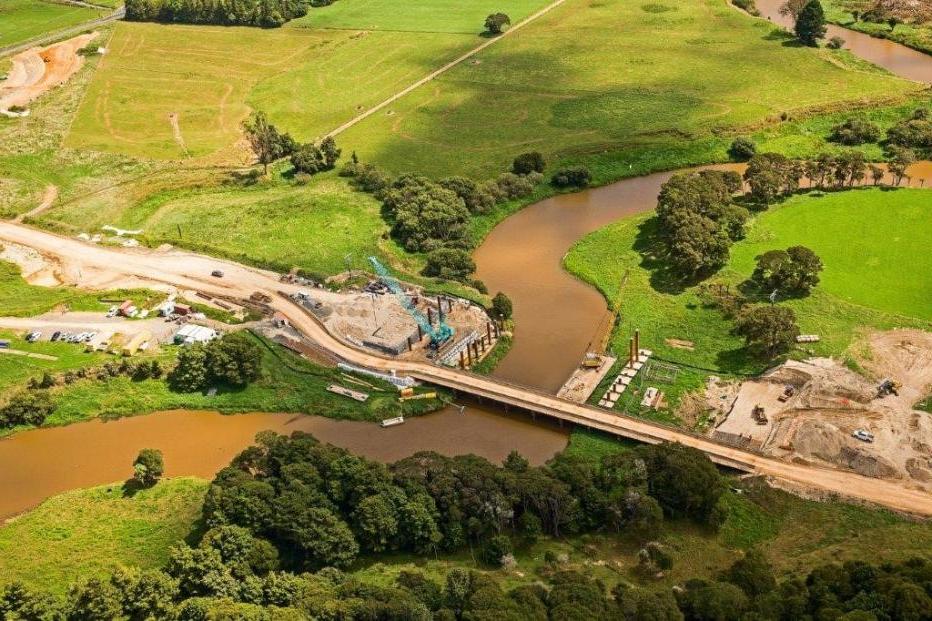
(830, 402)
(39, 69)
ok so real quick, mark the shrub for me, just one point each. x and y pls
(477, 198)
(742, 149)
(496, 549)
(529, 162)
(747, 5)
(369, 178)
(855, 132)
(571, 176)
(449, 263)
(501, 307)
(26, 408)
(511, 186)
(835, 43)
(148, 467)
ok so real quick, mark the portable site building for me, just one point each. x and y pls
(134, 344)
(191, 333)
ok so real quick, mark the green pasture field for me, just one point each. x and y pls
(16, 370)
(427, 16)
(204, 80)
(21, 20)
(569, 86)
(917, 36)
(313, 226)
(887, 268)
(90, 532)
(868, 281)
(20, 299)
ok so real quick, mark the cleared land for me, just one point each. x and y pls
(428, 16)
(21, 20)
(569, 86)
(91, 532)
(866, 287)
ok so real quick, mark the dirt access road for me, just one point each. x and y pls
(191, 271)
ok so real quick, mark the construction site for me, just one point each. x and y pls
(401, 320)
(819, 411)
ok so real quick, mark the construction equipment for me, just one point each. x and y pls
(261, 298)
(759, 415)
(888, 387)
(439, 334)
(593, 357)
(788, 391)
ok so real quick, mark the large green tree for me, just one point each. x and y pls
(768, 330)
(810, 24)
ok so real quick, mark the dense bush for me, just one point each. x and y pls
(511, 186)
(26, 408)
(914, 133)
(698, 220)
(854, 132)
(320, 505)
(449, 263)
(501, 307)
(529, 162)
(263, 13)
(571, 177)
(232, 575)
(768, 330)
(310, 158)
(747, 5)
(426, 216)
(478, 198)
(234, 360)
(497, 23)
(148, 467)
(742, 149)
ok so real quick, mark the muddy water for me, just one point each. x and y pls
(556, 315)
(899, 59)
(43, 462)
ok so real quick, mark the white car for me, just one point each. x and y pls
(863, 435)
(113, 311)
(34, 336)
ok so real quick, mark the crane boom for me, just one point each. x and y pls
(439, 334)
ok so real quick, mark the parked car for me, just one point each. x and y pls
(55, 335)
(863, 435)
(32, 337)
(217, 273)
(113, 311)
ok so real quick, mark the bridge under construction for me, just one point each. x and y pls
(191, 271)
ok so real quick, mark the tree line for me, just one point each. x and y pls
(321, 506)
(261, 13)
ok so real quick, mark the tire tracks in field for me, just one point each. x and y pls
(453, 63)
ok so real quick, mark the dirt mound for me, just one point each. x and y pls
(37, 70)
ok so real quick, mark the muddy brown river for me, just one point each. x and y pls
(556, 320)
(899, 59)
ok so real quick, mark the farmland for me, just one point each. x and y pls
(568, 86)
(193, 106)
(21, 20)
(866, 287)
(448, 16)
